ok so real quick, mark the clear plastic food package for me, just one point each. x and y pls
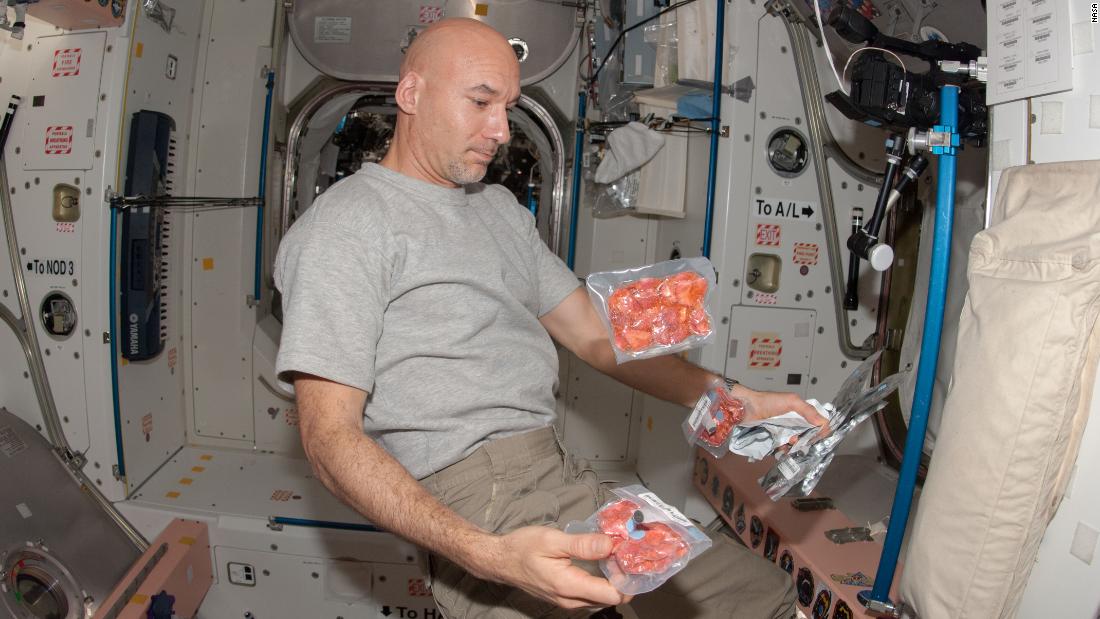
(655, 310)
(652, 540)
(796, 473)
(710, 424)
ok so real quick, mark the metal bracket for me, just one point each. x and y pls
(116, 472)
(274, 526)
(849, 535)
(724, 132)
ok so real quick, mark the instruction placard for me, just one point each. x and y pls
(331, 29)
(1029, 49)
(784, 209)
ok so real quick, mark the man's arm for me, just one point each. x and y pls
(575, 324)
(366, 477)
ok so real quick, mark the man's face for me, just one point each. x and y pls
(463, 116)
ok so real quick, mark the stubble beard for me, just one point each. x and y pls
(463, 174)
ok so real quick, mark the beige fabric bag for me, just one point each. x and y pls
(1018, 399)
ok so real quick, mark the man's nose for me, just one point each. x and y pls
(497, 126)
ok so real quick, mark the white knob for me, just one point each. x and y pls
(881, 257)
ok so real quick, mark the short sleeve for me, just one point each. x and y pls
(335, 286)
(556, 281)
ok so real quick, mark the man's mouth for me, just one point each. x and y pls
(487, 156)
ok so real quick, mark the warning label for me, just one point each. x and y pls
(281, 495)
(59, 140)
(768, 234)
(765, 298)
(806, 253)
(66, 62)
(766, 351)
(430, 14)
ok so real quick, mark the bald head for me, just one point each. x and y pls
(458, 81)
(452, 41)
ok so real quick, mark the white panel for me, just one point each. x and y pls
(227, 142)
(59, 110)
(151, 398)
(771, 348)
(664, 455)
(51, 263)
(597, 418)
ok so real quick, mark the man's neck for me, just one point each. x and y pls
(402, 160)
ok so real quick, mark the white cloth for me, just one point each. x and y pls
(761, 437)
(629, 148)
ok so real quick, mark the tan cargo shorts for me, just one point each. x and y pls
(528, 479)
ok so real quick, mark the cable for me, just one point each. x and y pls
(825, 44)
(877, 49)
(618, 39)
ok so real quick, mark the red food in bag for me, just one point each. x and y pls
(652, 554)
(658, 311)
(733, 411)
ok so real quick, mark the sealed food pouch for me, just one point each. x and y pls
(652, 540)
(710, 424)
(655, 310)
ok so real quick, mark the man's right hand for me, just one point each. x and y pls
(538, 560)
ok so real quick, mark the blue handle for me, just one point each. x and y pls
(930, 346)
(715, 123)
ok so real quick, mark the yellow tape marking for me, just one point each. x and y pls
(207, 264)
(186, 481)
(138, 49)
(187, 541)
(172, 495)
(481, 9)
(139, 598)
(206, 457)
(198, 469)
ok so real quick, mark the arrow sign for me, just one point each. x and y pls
(778, 210)
(386, 611)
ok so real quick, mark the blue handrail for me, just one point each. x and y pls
(715, 123)
(262, 192)
(112, 348)
(578, 151)
(930, 346)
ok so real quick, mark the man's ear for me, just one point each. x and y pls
(408, 90)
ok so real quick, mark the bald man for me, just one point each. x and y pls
(420, 314)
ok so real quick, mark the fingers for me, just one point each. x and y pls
(585, 589)
(590, 547)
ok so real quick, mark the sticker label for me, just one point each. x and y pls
(806, 253)
(766, 350)
(768, 234)
(702, 406)
(23, 510)
(59, 140)
(51, 267)
(670, 511)
(430, 14)
(10, 443)
(332, 30)
(765, 298)
(281, 495)
(66, 62)
(66, 226)
(787, 467)
(784, 209)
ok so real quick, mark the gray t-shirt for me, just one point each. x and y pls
(428, 298)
